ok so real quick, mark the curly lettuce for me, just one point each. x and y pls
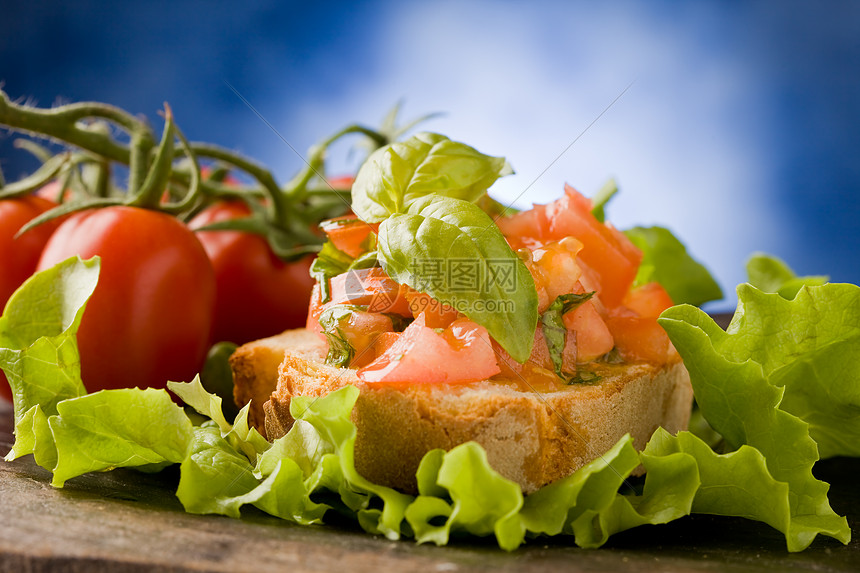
(780, 385)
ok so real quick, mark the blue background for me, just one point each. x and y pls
(739, 129)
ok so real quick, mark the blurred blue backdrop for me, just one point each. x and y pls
(739, 129)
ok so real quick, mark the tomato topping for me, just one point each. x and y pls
(611, 255)
(436, 314)
(349, 234)
(648, 300)
(371, 288)
(361, 331)
(315, 309)
(461, 353)
(640, 339)
(593, 337)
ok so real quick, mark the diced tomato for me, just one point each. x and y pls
(640, 339)
(570, 353)
(648, 300)
(462, 353)
(349, 234)
(593, 337)
(436, 314)
(559, 270)
(526, 228)
(315, 310)
(361, 331)
(383, 342)
(372, 288)
(608, 252)
(611, 255)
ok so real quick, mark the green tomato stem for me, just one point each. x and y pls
(63, 123)
(38, 178)
(149, 193)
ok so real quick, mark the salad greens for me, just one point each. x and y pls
(665, 260)
(769, 389)
(771, 274)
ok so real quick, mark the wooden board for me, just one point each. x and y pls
(127, 521)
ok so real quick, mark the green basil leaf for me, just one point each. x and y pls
(329, 263)
(771, 274)
(340, 351)
(366, 261)
(427, 163)
(554, 330)
(666, 261)
(451, 250)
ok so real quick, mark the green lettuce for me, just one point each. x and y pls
(766, 385)
(782, 379)
(666, 260)
(771, 274)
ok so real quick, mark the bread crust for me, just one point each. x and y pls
(255, 368)
(532, 438)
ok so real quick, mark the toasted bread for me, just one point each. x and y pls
(532, 438)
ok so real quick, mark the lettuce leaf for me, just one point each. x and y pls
(666, 260)
(771, 274)
(783, 380)
(780, 384)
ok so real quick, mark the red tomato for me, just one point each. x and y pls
(19, 256)
(461, 353)
(149, 319)
(258, 294)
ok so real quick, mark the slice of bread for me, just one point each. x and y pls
(532, 438)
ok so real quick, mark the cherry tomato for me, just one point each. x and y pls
(19, 256)
(149, 319)
(258, 294)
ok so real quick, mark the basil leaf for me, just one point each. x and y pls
(365, 261)
(666, 261)
(329, 263)
(771, 274)
(427, 163)
(451, 250)
(340, 351)
(601, 198)
(554, 330)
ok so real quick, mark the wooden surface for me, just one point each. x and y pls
(127, 521)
